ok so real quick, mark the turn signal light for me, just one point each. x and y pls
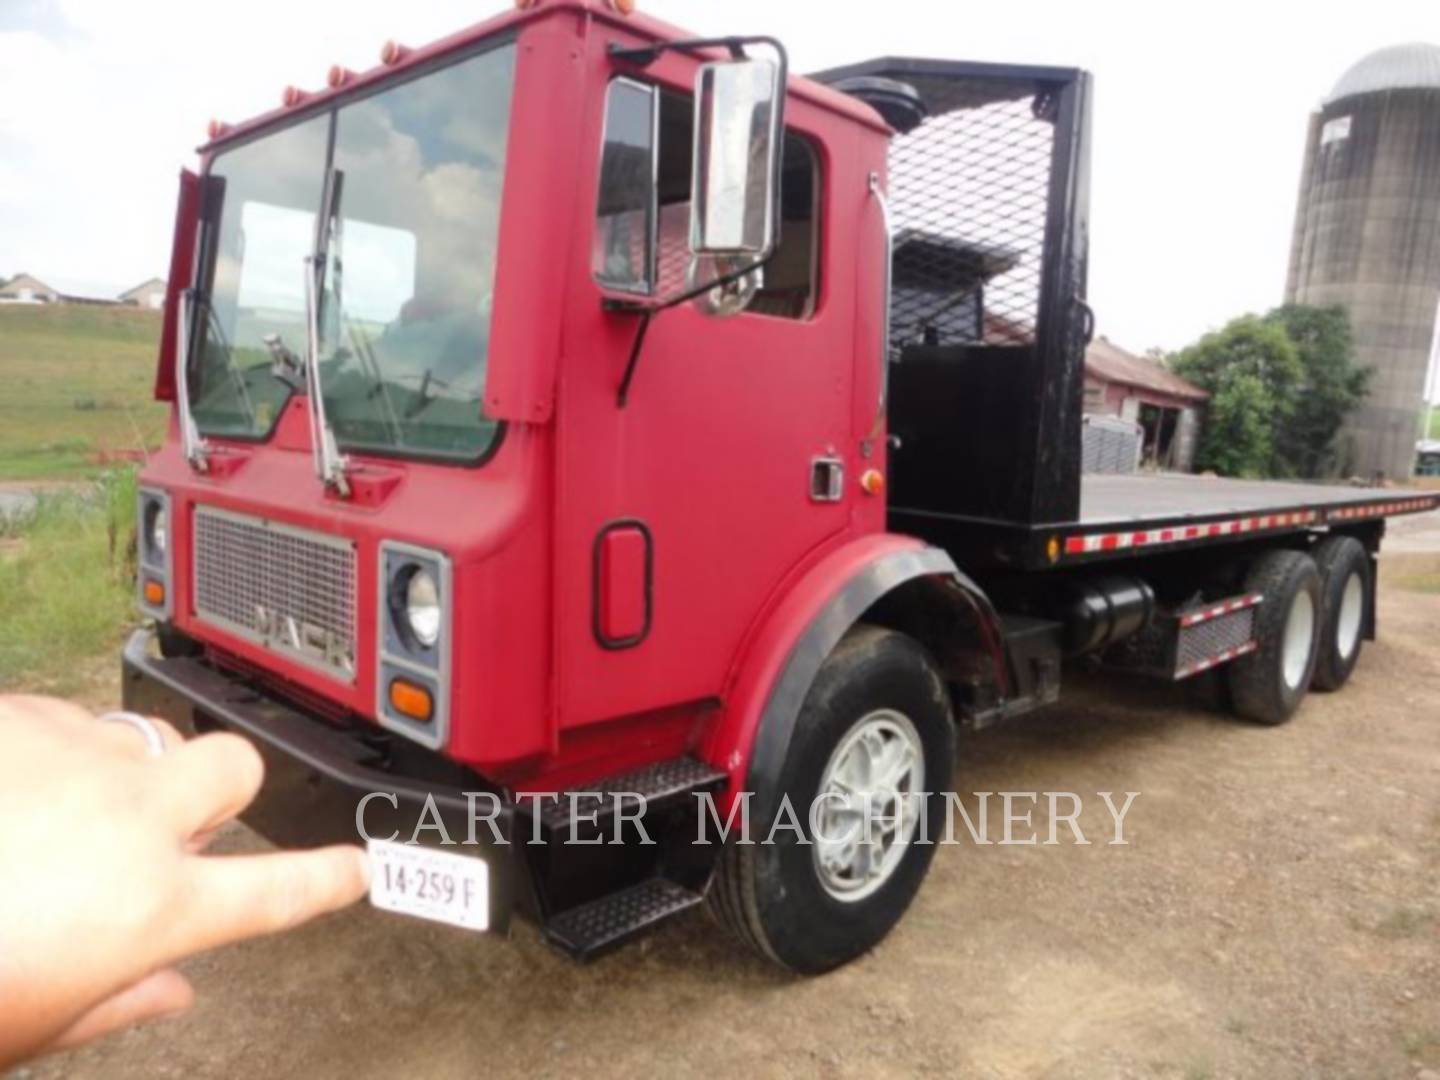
(410, 700)
(872, 481)
(154, 594)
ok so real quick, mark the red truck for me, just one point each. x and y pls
(572, 408)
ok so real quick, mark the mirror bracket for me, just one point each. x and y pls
(645, 55)
(642, 57)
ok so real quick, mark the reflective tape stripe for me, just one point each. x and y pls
(1220, 658)
(1088, 543)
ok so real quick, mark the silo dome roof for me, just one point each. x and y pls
(1399, 67)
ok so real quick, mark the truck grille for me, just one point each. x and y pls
(285, 588)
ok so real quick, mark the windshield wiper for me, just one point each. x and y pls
(330, 465)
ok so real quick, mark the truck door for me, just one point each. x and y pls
(681, 511)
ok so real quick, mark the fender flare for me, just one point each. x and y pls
(773, 680)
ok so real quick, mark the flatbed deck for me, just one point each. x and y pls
(1119, 514)
(1143, 497)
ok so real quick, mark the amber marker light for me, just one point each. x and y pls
(872, 481)
(1052, 549)
(410, 700)
(624, 7)
(338, 76)
(217, 128)
(154, 594)
(392, 53)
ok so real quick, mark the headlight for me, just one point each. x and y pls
(422, 607)
(156, 529)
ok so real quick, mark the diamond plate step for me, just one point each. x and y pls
(589, 930)
(658, 783)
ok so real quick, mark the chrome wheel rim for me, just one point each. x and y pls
(1299, 639)
(877, 768)
(1352, 610)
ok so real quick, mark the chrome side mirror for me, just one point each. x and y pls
(733, 213)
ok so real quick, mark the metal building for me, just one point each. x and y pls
(1367, 237)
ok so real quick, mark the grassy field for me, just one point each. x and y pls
(67, 573)
(77, 383)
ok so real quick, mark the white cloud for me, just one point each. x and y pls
(1199, 124)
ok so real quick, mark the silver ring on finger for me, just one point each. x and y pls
(149, 731)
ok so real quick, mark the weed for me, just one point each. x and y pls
(67, 592)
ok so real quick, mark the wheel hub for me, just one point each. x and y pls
(1352, 609)
(868, 805)
(1299, 639)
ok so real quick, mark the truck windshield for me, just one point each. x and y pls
(410, 179)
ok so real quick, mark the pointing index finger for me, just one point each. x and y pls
(236, 897)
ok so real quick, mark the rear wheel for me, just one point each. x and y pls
(876, 729)
(1268, 684)
(1345, 574)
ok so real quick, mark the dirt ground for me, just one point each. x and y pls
(1276, 914)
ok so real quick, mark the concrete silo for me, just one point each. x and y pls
(1367, 237)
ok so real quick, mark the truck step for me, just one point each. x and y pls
(592, 929)
(657, 784)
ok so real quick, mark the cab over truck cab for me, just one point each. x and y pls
(579, 430)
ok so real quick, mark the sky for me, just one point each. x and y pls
(1199, 127)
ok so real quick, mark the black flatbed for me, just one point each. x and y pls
(1143, 513)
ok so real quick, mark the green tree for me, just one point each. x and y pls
(1331, 387)
(1252, 370)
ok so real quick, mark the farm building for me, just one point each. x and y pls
(1138, 389)
(148, 294)
(24, 289)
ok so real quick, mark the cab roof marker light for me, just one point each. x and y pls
(338, 76)
(217, 128)
(624, 7)
(293, 96)
(526, 5)
(393, 52)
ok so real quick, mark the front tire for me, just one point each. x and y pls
(1268, 684)
(877, 718)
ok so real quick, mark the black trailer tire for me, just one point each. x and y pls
(1268, 684)
(1345, 587)
(776, 897)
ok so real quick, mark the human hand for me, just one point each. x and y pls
(105, 885)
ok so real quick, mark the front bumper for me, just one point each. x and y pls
(317, 774)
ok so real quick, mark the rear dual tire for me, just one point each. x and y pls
(1347, 594)
(1267, 685)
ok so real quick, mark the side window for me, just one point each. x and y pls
(623, 253)
(642, 232)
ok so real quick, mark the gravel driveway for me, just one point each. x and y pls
(1276, 914)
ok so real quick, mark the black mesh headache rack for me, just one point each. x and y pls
(989, 197)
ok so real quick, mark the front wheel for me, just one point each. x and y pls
(875, 731)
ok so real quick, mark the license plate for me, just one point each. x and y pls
(430, 884)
